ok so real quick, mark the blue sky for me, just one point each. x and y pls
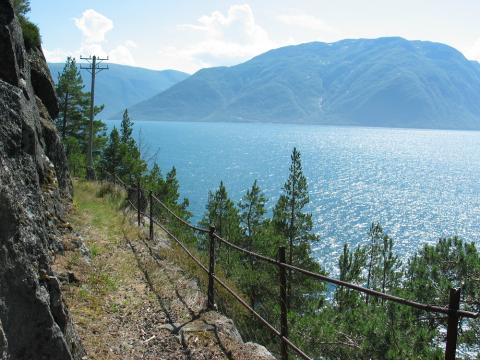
(189, 35)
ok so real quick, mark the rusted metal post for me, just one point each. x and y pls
(211, 268)
(452, 328)
(150, 198)
(283, 303)
(138, 201)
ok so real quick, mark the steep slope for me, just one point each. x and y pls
(123, 86)
(35, 187)
(378, 82)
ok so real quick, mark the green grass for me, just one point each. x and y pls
(108, 281)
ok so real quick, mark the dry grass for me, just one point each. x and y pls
(109, 286)
(136, 299)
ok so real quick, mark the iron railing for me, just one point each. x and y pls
(453, 311)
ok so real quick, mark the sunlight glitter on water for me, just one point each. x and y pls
(420, 184)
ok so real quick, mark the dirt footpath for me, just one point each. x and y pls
(128, 301)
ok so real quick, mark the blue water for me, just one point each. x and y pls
(420, 184)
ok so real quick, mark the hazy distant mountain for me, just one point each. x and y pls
(380, 82)
(122, 86)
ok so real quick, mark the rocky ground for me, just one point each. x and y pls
(128, 300)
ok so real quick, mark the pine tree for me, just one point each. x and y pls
(221, 213)
(351, 265)
(74, 116)
(71, 98)
(288, 213)
(376, 235)
(154, 181)
(167, 191)
(171, 187)
(252, 210)
(389, 265)
(112, 157)
(126, 129)
(291, 221)
(133, 166)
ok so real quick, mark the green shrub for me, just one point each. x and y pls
(31, 33)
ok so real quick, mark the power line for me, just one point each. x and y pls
(94, 66)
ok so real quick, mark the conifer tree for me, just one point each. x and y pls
(133, 166)
(221, 213)
(252, 210)
(171, 193)
(291, 220)
(71, 98)
(351, 265)
(390, 263)
(288, 216)
(376, 235)
(167, 191)
(112, 157)
(252, 219)
(73, 118)
(126, 129)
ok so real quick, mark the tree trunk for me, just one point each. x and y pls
(291, 236)
(369, 271)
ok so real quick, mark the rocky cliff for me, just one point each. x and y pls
(35, 189)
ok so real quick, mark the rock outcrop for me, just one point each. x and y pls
(35, 188)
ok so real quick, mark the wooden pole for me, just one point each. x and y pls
(211, 268)
(138, 202)
(90, 170)
(151, 215)
(452, 327)
(283, 303)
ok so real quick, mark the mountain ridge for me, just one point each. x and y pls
(389, 82)
(123, 86)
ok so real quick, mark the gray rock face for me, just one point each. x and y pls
(34, 189)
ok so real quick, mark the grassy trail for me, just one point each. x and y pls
(130, 301)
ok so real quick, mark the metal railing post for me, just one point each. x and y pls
(452, 327)
(211, 268)
(150, 196)
(138, 202)
(283, 303)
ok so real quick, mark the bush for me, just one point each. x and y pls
(31, 33)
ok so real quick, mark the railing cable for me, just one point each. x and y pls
(452, 310)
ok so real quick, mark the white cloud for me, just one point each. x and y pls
(94, 26)
(474, 52)
(122, 55)
(225, 39)
(305, 21)
(56, 55)
(131, 44)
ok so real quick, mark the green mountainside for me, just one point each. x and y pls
(122, 86)
(368, 82)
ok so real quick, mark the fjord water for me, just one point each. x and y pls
(420, 184)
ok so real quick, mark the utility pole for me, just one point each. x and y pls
(94, 67)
